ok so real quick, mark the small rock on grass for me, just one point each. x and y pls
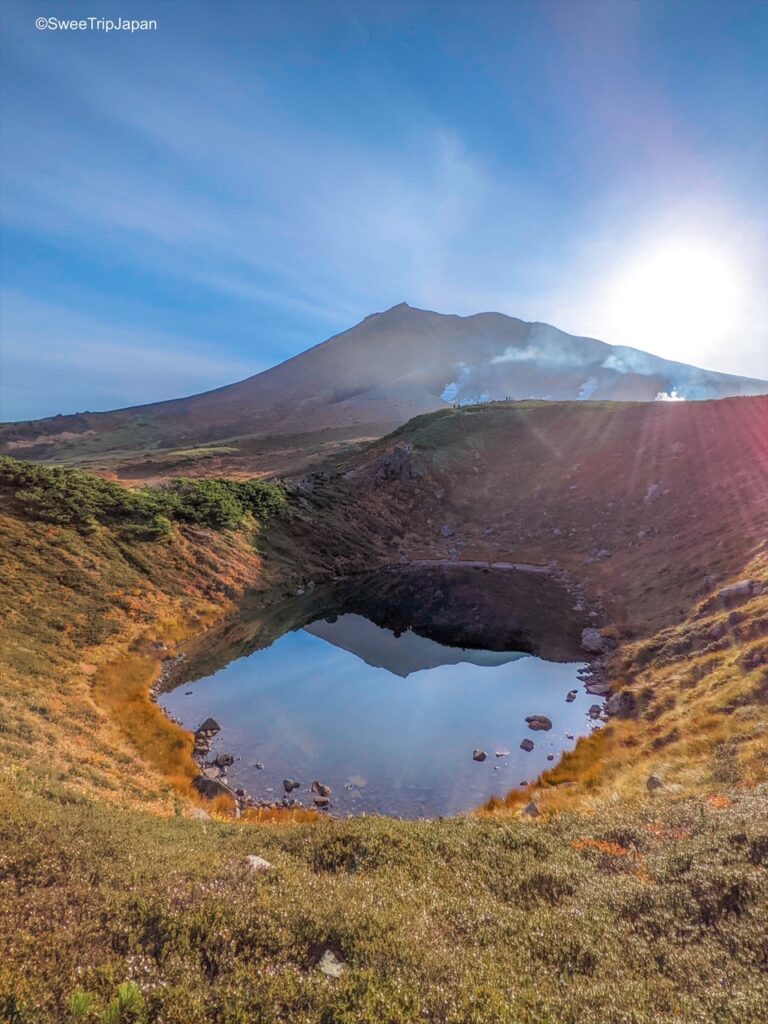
(531, 810)
(654, 782)
(330, 965)
(257, 864)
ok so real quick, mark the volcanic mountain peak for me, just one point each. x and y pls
(368, 379)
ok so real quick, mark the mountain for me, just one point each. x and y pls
(401, 655)
(367, 380)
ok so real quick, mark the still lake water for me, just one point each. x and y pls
(390, 722)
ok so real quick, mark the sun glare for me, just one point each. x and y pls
(679, 299)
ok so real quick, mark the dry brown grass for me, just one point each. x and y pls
(124, 689)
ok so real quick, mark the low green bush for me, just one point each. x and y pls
(73, 497)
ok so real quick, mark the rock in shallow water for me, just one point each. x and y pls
(539, 723)
(527, 746)
(209, 728)
(478, 755)
(290, 784)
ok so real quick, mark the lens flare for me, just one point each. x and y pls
(677, 298)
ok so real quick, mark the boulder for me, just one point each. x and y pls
(330, 965)
(257, 864)
(322, 801)
(736, 592)
(621, 704)
(527, 746)
(209, 728)
(320, 788)
(550, 757)
(598, 687)
(593, 641)
(224, 760)
(539, 723)
(478, 755)
(571, 696)
(290, 784)
(211, 788)
(594, 711)
(531, 810)
(654, 782)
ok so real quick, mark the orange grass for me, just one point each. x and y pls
(123, 688)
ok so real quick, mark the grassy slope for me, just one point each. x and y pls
(636, 916)
(494, 919)
(72, 607)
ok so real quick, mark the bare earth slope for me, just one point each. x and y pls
(365, 381)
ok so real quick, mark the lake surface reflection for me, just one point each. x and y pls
(388, 720)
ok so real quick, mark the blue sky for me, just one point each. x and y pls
(187, 206)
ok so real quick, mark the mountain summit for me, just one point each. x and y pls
(392, 366)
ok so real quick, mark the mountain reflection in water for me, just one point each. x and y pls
(401, 655)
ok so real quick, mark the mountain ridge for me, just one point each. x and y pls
(368, 379)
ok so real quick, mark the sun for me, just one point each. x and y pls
(677, 298)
